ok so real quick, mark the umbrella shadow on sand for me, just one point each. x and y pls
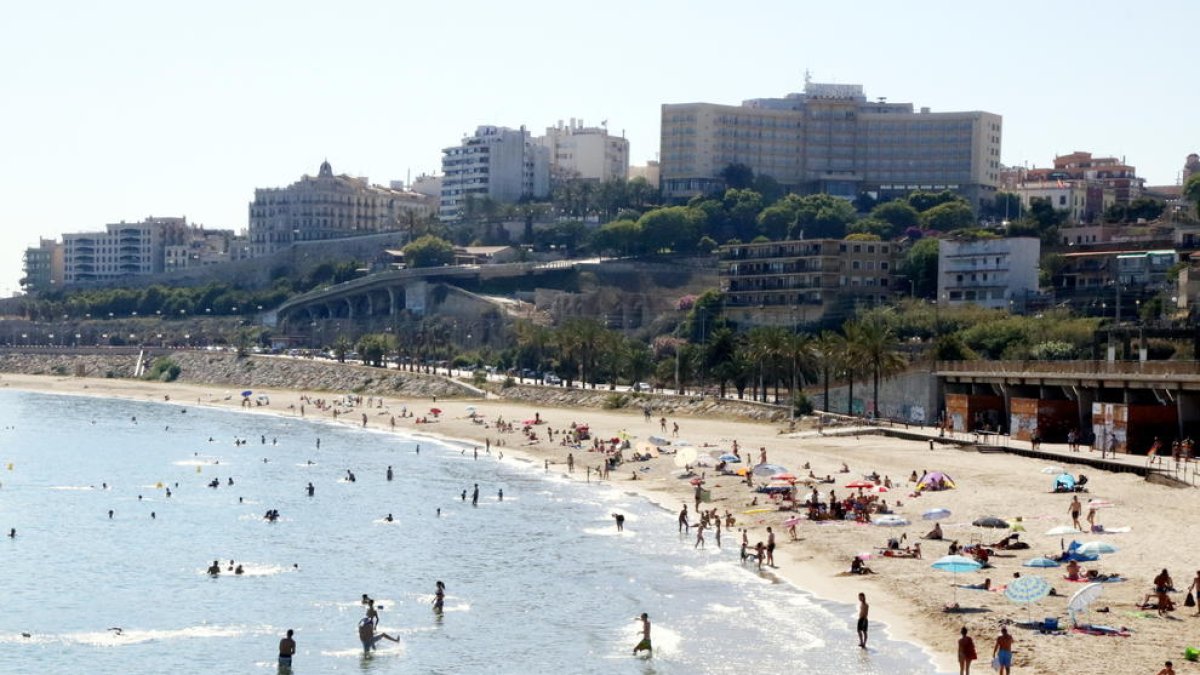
(967, 610)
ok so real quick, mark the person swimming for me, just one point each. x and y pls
(389, 518)
(368, 636)
(215, 568)
(439, 598)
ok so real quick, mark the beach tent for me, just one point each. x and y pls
(1064, 482)
(935, 480)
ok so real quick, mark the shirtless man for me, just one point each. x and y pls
(863, 609)
(1002, 652)
(645, 643)
(1074, 509)
(214, 569)
(368, 636)
(287, 649)
(770, 547)
(684, 526)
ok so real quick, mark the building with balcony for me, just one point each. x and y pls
(994, 273)
(799, 282)
(328, 206)
(43, 266)
(587, 153)
(831, 139)
(122, 250)
(1099, 182)
(496, 163)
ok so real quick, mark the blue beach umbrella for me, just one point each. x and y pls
(731, 459)
(247, 393)
(935, 514)
(1027, 589)
(1040, 562)
(1097, 548)
(956, 564)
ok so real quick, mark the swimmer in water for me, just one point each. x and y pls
(239, 570)
(439, 597)
(389, 518)
(310, 489)
(645, 643)
(214, 569)
(368, 636)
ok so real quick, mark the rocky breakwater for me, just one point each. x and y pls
(224, 369)
(661, 405)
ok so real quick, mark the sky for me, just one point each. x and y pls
(124, 109)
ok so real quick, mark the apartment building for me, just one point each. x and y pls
(43, 265)
(587, 153)
(798, 282)
(498, 163)
(1078, 183)
(122, 250)
(329, 206)
(831, 139)
(994, 273)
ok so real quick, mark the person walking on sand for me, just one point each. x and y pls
(287, 649)
(1195, 588)
(863, 609)
(645, 643)
(966, 652)
(1002, 652)
(570, 462)
(1074, 509)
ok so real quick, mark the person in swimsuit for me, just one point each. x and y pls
(439, 597)
(368, 636)
(1002, 652)
(215, 568)
(287, 648)
(863, 609)
(966, 653)
(645, 643)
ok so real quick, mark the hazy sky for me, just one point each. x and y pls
(118, 110)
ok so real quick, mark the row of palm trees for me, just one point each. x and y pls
(759, 363)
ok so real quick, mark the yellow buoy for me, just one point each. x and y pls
(158, 485)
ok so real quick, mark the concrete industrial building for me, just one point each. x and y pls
(805, 281)
(587, 153)
(328, 206)
(993, 273)
(831, 139)
(497, 163)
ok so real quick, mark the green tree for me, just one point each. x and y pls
(1191, 190)
(743, 207)
(774, 221)
(737, 176)
(899, 214)
(923, 201)
(822, 216)
(828, 348)
(428, 251)
(948, 216)
(621, 237)
(876, 346)
(373, 348)
(920, 266)
(675, 228)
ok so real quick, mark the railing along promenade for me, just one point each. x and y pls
(1183, 370)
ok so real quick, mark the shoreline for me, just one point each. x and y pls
(804, 574)
(906, 595)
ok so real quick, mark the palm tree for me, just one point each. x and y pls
(532, 341)
(767, 348)
(828, 346)
(874, 344)
(801, 357)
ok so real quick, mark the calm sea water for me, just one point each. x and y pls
(538, 583)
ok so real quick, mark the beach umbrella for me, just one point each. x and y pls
(247, 393)
(685, 456)
(1096, 548)
(1062, 530)
(891, 521)
(785, 477)
(865, 556)
(860, 484)
(935, 514)
(730, 459)
(956, 564)
(1099, 504)
(696, 481)
(1025, 590)
(1082, 598)
(990, 522)
(1040, 562)
(435, 411)
(879, 488)
(470, 408)
(658, 440)
(704, 460)
(1052, 470)
(768, 469)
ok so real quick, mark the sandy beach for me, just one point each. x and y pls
(905, 593)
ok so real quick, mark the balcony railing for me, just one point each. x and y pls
(1038, 368)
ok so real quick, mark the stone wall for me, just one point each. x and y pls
(910, 397)
(225, 369)
(660, 405)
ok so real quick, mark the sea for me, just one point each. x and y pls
(538, 581)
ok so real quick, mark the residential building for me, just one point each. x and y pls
(122, 250)
(798, 282)
(587, 153)
(430, 186)
(201, 248)
(995, 273)
(1083, 203)
(328, 206)
(497, 163)
(43, 266)
(831, 139)
(648, 171)
(1103, 181)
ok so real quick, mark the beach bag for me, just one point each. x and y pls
(1190, 601)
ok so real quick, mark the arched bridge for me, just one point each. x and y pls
(389, 293)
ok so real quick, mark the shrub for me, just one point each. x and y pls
(164, 370)
(60, 369)
(615, 401)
